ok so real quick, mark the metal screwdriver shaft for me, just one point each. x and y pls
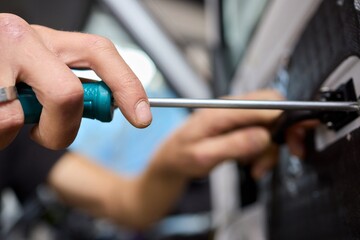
(254, 104)
(99, 103)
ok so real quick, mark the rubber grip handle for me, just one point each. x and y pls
(98, 102)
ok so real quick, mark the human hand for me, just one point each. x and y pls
(211, 136)
(41, 58)
(295, 136)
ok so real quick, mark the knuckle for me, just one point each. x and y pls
(131, 89)
(11, 118)
(200, 159)
(13, 27)
(12, 121)
(130, 82)
(243, 149)
(99, 43)
(69, 95)
(255, 141)
(198, 156)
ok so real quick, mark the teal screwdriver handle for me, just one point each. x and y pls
(98, 102)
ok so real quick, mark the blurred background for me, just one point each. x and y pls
(172, 45)
(178, 48)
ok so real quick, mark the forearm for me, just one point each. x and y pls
(81, 183)
(135, 203)
(153, 194)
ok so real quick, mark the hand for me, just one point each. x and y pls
(212, 136)
(41, 57)
(295, 136)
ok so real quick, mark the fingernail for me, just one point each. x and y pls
(143, 113)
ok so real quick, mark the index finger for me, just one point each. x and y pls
(99, 54)
(211, 122)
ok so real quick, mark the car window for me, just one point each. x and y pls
(239, 18)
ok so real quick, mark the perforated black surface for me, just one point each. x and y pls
(331, 36)
(322, 199)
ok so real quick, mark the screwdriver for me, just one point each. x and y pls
(99, 103)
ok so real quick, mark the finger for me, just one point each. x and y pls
(265, 162)
(61, 95)
(211, 122)
(56, 87)
(11, 120)
(295, 142)
(11, 113)
(295, 136)
(241, 144)
(100, 54)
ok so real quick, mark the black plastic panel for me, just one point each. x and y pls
(321, 199)
(331, 36)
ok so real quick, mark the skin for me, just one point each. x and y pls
(208, 138)
(42, 57)
(295, 136)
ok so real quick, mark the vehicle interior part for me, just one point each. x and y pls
(51, 13)
(332, 121)
(233, 24)
(272, 39)
(345, 92)
(272, 43)
(349, 69)
(317, 197)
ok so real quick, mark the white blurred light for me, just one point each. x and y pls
(138, 61)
